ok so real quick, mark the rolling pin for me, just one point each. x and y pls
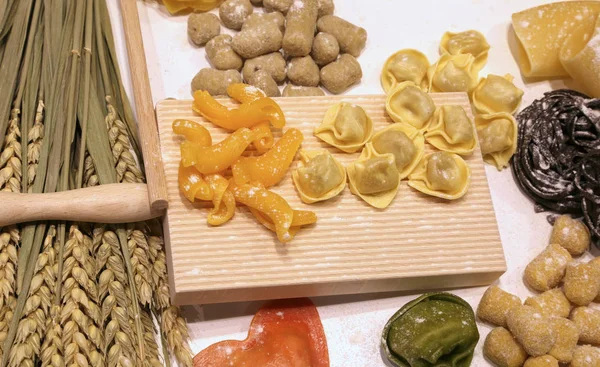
(113, 203)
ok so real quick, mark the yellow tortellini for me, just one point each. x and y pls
(451, 130)
(345, 126)
(406, 143)
(319, 177)
(374, 178)
(467, 42)
(409, 104)
(453, 73)
(405, 65)
(497, 137)
(441, 174)
(497, 94)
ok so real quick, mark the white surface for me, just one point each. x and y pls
(353, 324)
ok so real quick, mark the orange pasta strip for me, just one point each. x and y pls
(193, 185)
(193, 132)
(223, 201)
(263, 137)
(301, 218)
(247, 115)
(216, 158)
(270, 168)
(175, 6)
(279, 212)
(244, 93)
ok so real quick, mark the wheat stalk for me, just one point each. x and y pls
(39, 301)
(52, 351)
(113, 289)
(80, 315)
(10, 180)
(35, 136)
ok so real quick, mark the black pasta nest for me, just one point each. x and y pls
(557, 162)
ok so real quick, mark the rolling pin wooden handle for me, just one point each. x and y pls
(148, 128)
(115, 203)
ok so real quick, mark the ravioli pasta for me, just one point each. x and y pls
(497, 137)
(467, 42)
(374, 177)
(345, 126)
(319, 177)
(409, 104)
(497, 94)
(453, 73)
(406, 143)
(441, 174)
(405, 65)
(451, 130)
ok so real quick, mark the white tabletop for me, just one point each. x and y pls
(353, 324)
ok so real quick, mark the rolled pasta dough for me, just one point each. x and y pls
(542, 32)
(580, 56)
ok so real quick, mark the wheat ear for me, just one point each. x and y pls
(114, 293)
(80, 315)
(90, 178)
(126, 166)
(151, 347)
(10, 180)
(35, 136)
(31, 331)
(173, 326)
(138, 250)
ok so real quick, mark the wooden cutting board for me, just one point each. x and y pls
(417, 243)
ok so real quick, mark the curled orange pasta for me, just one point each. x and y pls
(223, 200)
(216, 158)
(273, 206)
(193, 132)
(269, 168)
(244, 93)
(193, 185)
(247, 115)
(301, 218)
(263, 137)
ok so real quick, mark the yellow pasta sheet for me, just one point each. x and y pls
(560, 39)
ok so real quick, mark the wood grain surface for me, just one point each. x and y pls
(419, 242)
